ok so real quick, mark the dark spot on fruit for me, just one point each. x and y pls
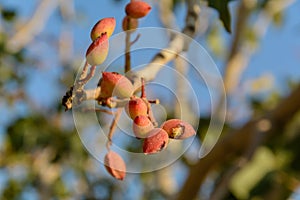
(162, 146)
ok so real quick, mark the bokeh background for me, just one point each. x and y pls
(42, 45)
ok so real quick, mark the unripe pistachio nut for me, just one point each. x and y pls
(156, 141)
(115, 165)
(142, 126)
(105, 25)
(97, 51)
(115, 84)
(137, 9)
(178, 129)
(136, 107)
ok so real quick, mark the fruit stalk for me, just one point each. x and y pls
(112, 128)
(127, 50)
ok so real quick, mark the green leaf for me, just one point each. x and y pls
(8, 14)
(222, 7)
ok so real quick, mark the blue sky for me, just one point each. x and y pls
(278, 52)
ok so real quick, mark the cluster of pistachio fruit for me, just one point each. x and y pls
(144, 126)
(115, 85)
(103, 29)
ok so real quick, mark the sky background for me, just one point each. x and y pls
(278, 53)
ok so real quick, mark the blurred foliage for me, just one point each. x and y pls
(8, 14)
(223, 10)
(221, 7)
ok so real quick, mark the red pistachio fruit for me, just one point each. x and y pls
(156, 141)
(129, 23)
(137, 9)
(97, 51)
(178, 129)
(136, 107)
(105, 25)
(115, 84)
(142, 126)
(115, 165)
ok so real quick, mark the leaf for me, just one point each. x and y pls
(222, 7)
(8, 14)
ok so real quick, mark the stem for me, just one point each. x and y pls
(143, 93)
(76, 89)
(97, 110)
(88, 76)
(127, 49)
(135, 40)
(175, 47)
(151, 116)
(32, 27)
(84, 71)
(113, 127)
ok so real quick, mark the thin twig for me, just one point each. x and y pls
(239, 57)
(135, 40)
(84, 71)
(148, 103)
(76, 94)
(113, 127)
(182, 109)
(104, 111)
(88, 76)
(66, 40)
(176, 46)
(151, 116)
(166, 14)
(143, 91)
(33, 27)
(127, 67)
(97, 110)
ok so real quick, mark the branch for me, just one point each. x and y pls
(113, 127)
(176, 46)
(221, 189)
(182, 109)
(239, 57)
(33, 27)
(238, 142)
(77, 90)
(166, 14)
(66, 40)
(127, 67)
